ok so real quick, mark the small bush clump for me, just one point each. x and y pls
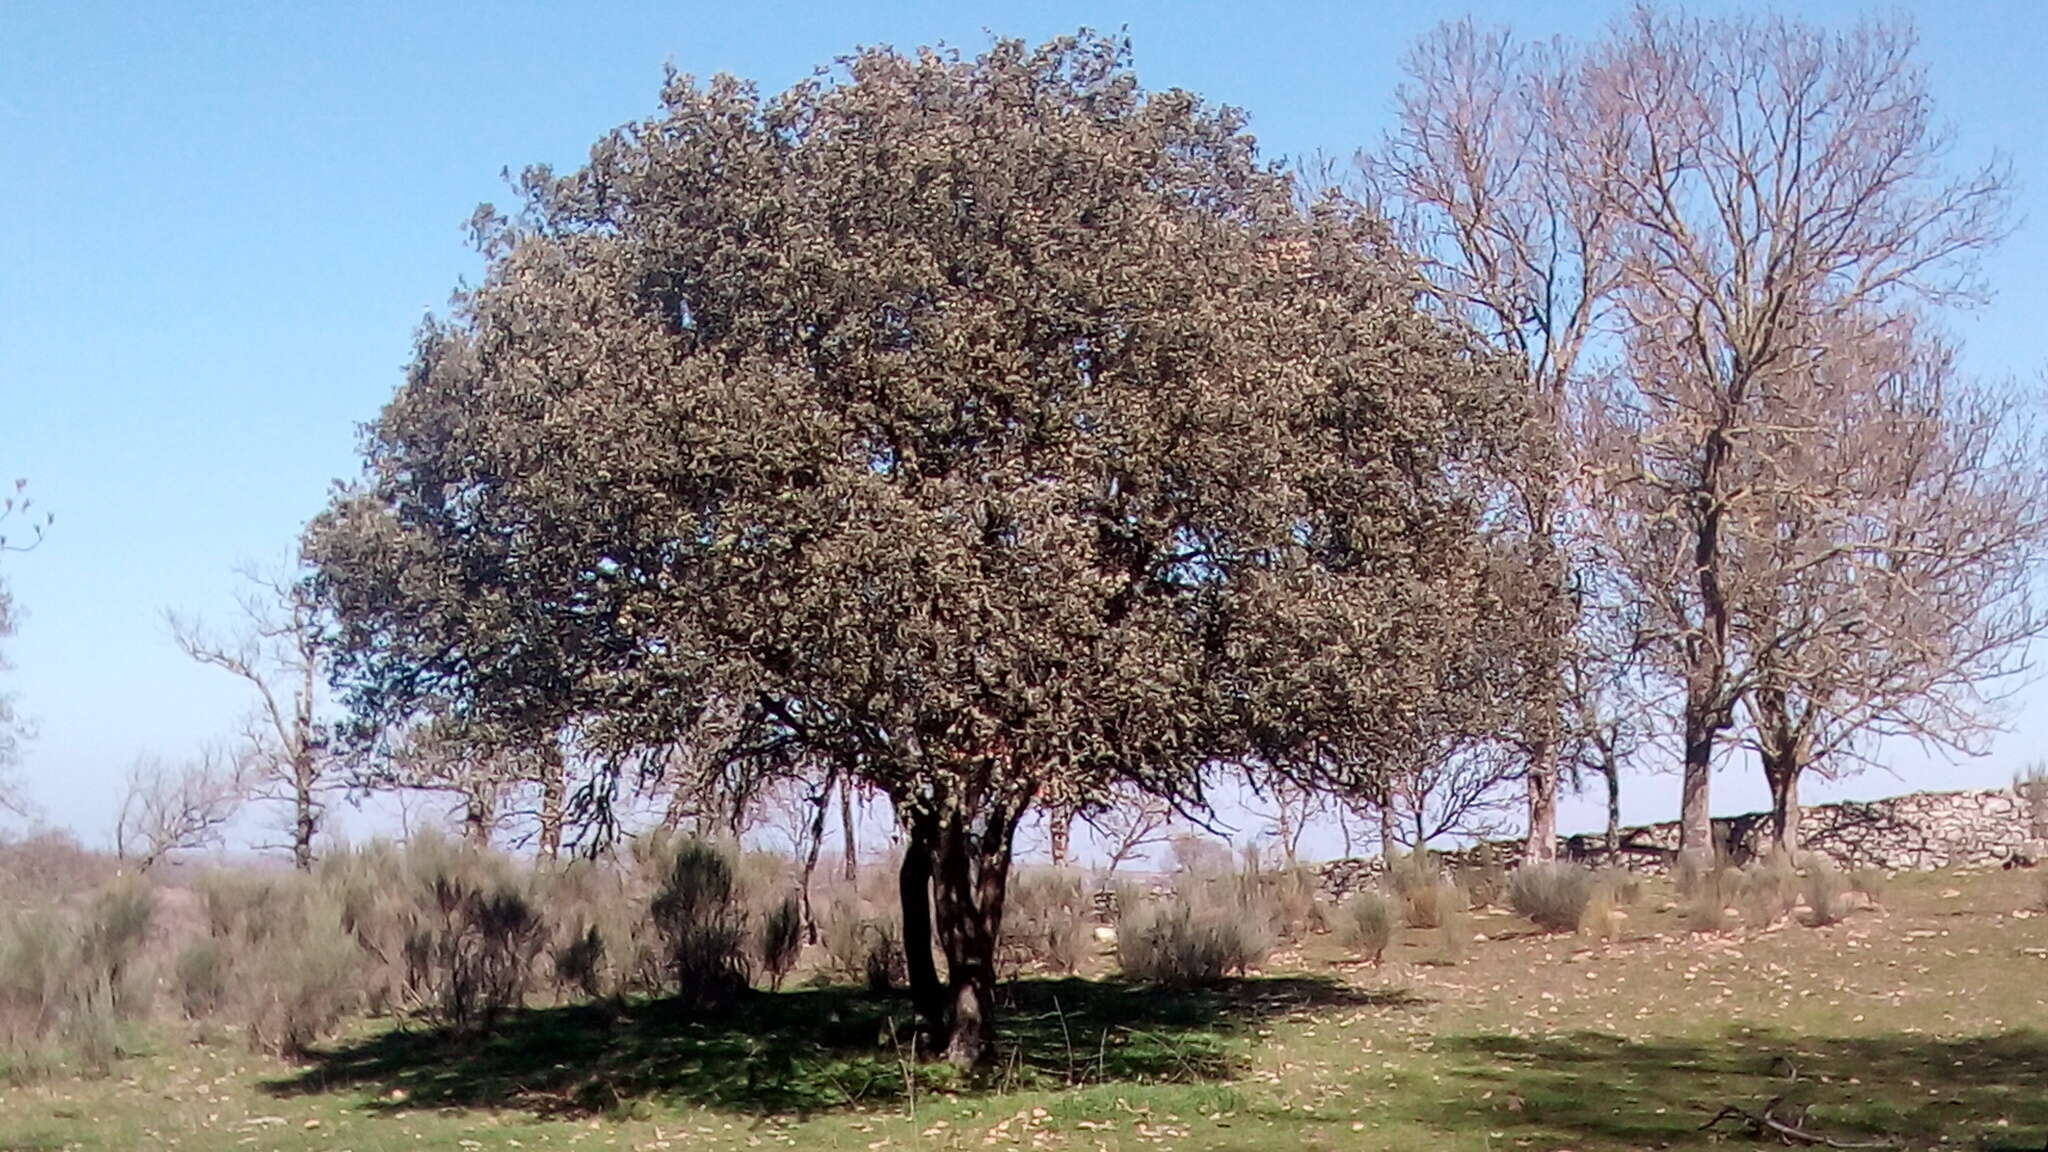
(1767, 891)
(1179, 942)
(1552, 895)
(1366, 924)
(1046, 920)
(1484, 880)
(782, 937)
(702, 927)
(1708, 896)
(1425, 894)
(1825, 887)
(1871, 884)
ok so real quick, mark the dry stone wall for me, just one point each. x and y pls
(1917, 832)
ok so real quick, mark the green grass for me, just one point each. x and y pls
(1925, 1024)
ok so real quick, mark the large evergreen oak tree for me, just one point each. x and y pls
(991, 428)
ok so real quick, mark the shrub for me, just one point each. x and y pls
(295, 990)
(116, 926)
(1366, 925)
(1482, 877)
(1622, 886)
(844, 935)
(1179, 942)
(1708, 896)
(578, 964)
(1455, 935)
(1289, 894)
(69, 981)
(1418, 882)
(884, 963)
(1598, 919)
(1767, 892)
(372, 887)
(1871, 883)
(782, 937)
(702, 928)
(1825, 886)
(201, 976)
(1045, 920)
(37, 990)
(1553, 895)
(471, 934)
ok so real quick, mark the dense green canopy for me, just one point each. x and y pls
(991, 427)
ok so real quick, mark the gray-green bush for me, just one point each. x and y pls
(1046, 920)
(1553, 895)
(1365, 924)
(1825, 887)
(69, 981)
(1199, 935)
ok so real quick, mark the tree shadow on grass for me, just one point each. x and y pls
(812, 1050)
(1596, 1091)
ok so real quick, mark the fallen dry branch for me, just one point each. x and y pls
(1791, 1132)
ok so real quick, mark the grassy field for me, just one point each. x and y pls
(1924, 1024)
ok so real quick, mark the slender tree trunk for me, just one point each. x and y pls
(304, 816)
(551, 789)
(821, 804)
(1061, 822)
(850, 844)
(1390, 844)
(305, 769)
(914, 890)
(478, 814)
(1611, 769)
(1542, 844)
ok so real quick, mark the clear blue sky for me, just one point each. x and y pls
(220, 223)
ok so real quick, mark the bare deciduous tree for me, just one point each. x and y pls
(1128, 825)
(15, 504)
(1474, 174)
(1888, 589)
(172, 808)
(276, 652)
(1690, 215)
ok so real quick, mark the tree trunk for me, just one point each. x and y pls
(1784, 780)
(304, 820)
(1390, 845)
(478, 815)
(551, 788)
(1542, 843)
(1782, 749)
(1061, 823)
(305, 769)
(914, 890)
(971, 872)
(821, 804)
(1695, 820)
(850, 845)
(1612, 771)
